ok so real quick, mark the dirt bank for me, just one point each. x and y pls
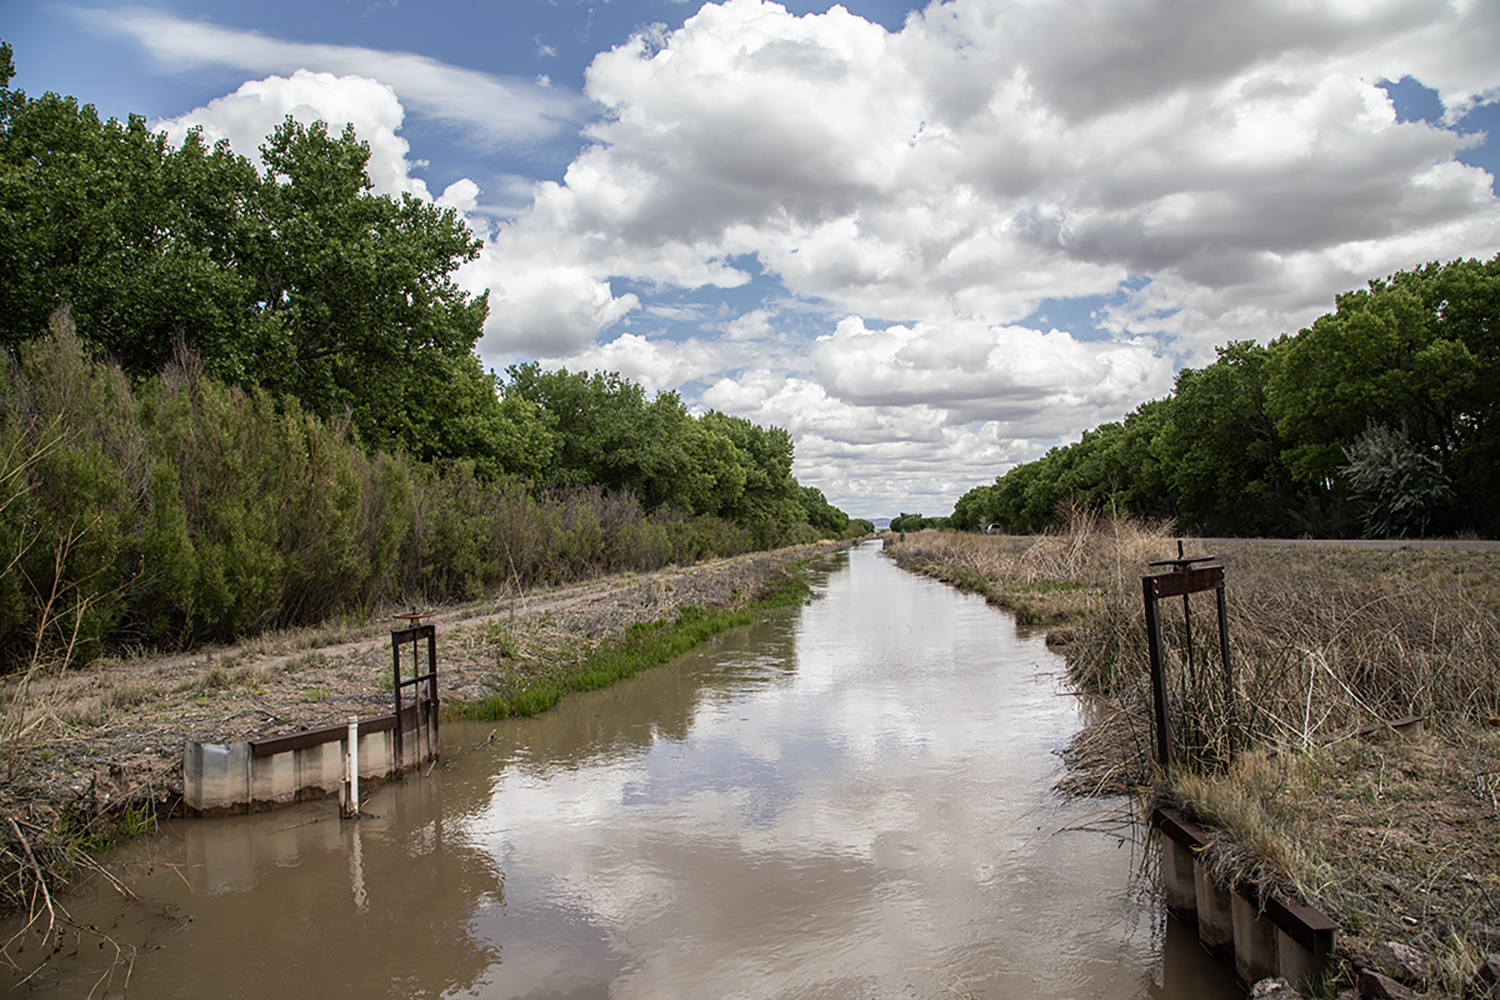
(94, 750)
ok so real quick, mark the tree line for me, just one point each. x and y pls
(1378, 420)
(238, 397)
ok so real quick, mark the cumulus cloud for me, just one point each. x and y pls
(988, 156)
(248, 115)
(872, 459)
(656, 364)
(1023, 379)
(935, 184)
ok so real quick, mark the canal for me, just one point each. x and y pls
(850, 801)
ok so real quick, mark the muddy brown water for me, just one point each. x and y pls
(852, 801)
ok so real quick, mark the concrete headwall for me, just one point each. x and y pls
(250, 776)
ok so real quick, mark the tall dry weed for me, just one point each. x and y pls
(1322, 641)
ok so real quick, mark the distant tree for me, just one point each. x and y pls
(1397, 483)
(970, 511)
(823, 515)
(916, 522)
(771, 494)
(1222, 452)
(606, 431)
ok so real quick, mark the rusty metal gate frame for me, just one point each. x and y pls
(426, 709)
(1184, 580)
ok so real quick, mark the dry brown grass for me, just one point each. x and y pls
(1046, 580)
(1395, 839)
(1093, 550)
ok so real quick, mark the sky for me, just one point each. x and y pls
(931, 241)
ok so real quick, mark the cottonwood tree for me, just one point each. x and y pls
(296, 278)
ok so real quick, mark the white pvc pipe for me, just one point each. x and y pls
(354, 766)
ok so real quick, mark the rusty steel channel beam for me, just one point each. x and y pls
(1184, 579)
(271, 745)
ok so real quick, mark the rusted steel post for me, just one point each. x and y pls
(1232, 721)
(1158, 674)
(432, 695)
(396, 681)
(1187, 619)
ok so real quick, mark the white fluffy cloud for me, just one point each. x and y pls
(936, 184)
(1022, 379)
(920, 193)
(991, 155)
(248, 115)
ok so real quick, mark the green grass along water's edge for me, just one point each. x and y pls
(644, 645)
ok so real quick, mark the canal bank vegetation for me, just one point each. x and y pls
(184, 511)
(238, 396)
(537, 683)
(1395, 836)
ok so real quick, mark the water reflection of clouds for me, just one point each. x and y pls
(830, 774)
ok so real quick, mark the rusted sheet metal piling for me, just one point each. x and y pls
(1263, 936)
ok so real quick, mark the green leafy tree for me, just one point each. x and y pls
(718, 473)
(297, 279)
(1222, 452)
(971, 511)
(353, 302)
(1417, 350)
(823, 515)
(916, 522)
(771, 494)
(139, 239)
(605, 431)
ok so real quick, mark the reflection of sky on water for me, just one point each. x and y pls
(849, 794)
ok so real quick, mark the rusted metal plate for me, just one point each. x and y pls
(317, 737)
(1412, 725)
(1181, 562)
(413, 634)
(1181, 829)
(1188, 581)
(1307, 925)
